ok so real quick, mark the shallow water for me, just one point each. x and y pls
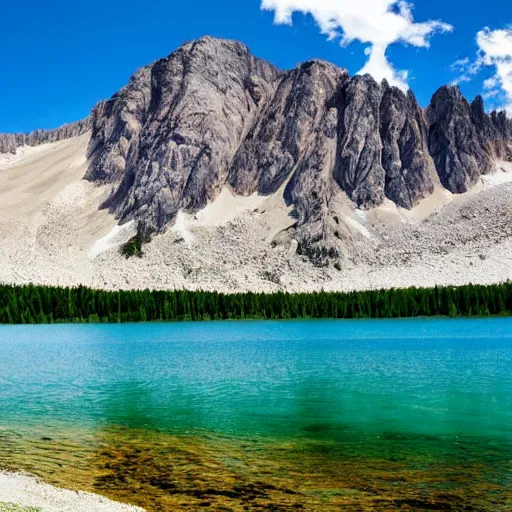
(318, 415)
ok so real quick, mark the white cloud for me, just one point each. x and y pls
(379, 67)
(460, 79)
(460, 65)
(490, 94)
(377, 22)
(495, 44)
(495, 49)
(492, 83)
(464, 68)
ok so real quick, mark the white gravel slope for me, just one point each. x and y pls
(52, 232)
(28, 491)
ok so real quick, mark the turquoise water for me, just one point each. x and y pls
(443, 385)
(424, 376)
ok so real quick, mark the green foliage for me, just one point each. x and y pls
(12, 507)
(133, 247)
(41, 304)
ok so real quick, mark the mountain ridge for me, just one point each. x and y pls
(211, 115)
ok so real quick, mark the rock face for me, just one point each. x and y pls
(168, 138)
(459, 151)
(382, 148)
(10, 142)
(293, 141)
(463, 140)
(410, 172)
(211, 115)
(358, 168)
(285, 132)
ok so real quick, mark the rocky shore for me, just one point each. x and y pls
(24, 493)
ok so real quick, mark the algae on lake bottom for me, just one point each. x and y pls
(300, 415)
(163, 472)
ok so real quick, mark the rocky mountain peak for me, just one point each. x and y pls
(477, 108)
(167, 138)
(459, 139)
(211, 115)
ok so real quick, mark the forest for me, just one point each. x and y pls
(32, 304)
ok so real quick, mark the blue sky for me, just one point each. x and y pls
(60, 57)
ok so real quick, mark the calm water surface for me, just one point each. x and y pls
(374, 415)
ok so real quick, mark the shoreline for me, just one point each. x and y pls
(259, 319)
(30, 493)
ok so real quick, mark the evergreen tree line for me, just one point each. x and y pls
(43, 304)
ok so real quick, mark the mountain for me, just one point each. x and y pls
(211, 117)
(10, 142)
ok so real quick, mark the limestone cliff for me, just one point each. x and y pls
(9, 142)
(211, 115)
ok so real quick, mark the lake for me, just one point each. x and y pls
(261, 415)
